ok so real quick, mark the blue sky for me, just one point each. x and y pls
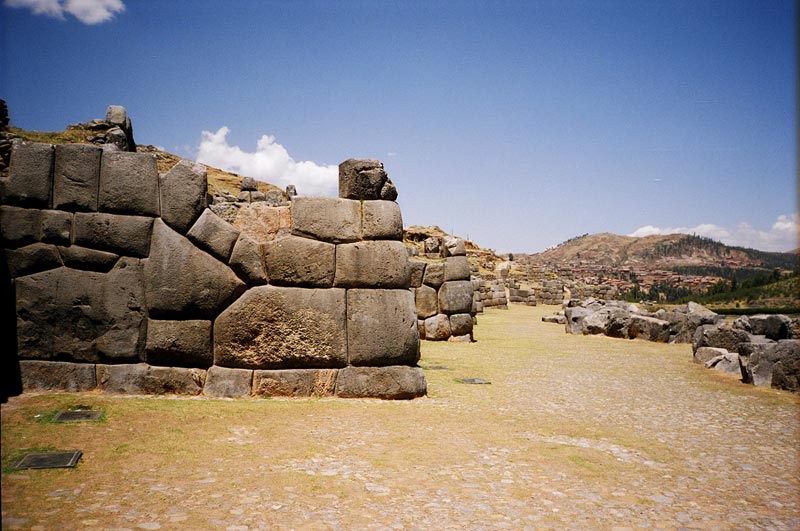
(517, 124)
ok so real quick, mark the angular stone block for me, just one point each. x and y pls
(296, 261)
(263, 223)
(455, 297)
(129, 184)
(224, 382)
(437, 328)
(183, 194)
(461, 324)
(775, 364)
(434, 274)
(719, 336)
(361, 179)
(140, 378)
(454, 246)
(76, 177)
(372, 264)
(327, 219)
(381, 327)
(390, 383)
(20, 226)
(56, 227)
(215, 235)
(273, 327)
(179, 343)
(417, 272)
(87, 259)
(706, 354)
(57, 376)
(247, 260)
(421, 327)
(32, 258)
(381, 220)
(295, 382)
(649, 328)
(426, 300)
(456, 268)
(30, 177)
(125, 235)
(184, 282)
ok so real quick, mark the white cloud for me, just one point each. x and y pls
(87, 11)
(270, 162)
(782, 236)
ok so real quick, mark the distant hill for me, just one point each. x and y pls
(671, 251)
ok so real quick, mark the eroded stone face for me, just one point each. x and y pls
(372, 264)
(271, 327)
(381, 327)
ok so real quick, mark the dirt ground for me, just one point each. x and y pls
(572, 433)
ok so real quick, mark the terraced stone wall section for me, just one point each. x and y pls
(125, 282)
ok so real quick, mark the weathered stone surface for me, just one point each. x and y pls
(574, 316)
(388, 191)
(56, 227)
(556, 318)
(381, 327)
(774, 364)
(20, 226)
(179, 343)
(82, 316)
(57, 376)
(31, 259)
(327, 219)
(129, 184)
(426, 300)
(454, 246)
(125, 235)
(719, 336)
(649, 328)
(273, 327)
(362, 179)
(421, 327)
(467, 338)
(296, 261)
(437, 328)
(247, 260)
(417, 268)
(31, 175)
(392, 383)
(461, 324)
(140, 378)
(183, 194)
(434, 274)
(76, 177)
(263, 223)
(705, 354)
(372, 264)
(728, 362)
(249, 185)
(183, 281)
(455, 297)
(215, 235)
(295, 382)
(225, 382)
(431, 245)
(381, 220)
(773, 327)
(456, 268)
(87, 259)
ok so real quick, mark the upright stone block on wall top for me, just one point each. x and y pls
(30, 177)
(76, 177)
(129, 184)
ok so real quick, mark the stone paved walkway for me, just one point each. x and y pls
(575, 433)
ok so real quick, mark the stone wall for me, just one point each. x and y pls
(492, 294)
(125, 281)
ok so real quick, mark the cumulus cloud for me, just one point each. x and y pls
(87, 11)
(782, 235)
(270, 162)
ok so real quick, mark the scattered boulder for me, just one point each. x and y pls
(365, 179)
(388, 383)
(774, 364)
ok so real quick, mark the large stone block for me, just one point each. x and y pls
(417, 271)
(454, 246)
(57, 376)
(125, 235)
(426, 300)
(719, 336)
(179, 343)
(87, 259)
(456, 268)
(247, 260)
(273, 327)
(434, 274)
(437, 328)
(56, 227)
(224, 382)
(381, 327)
(706, 354)
(82, 316)
(32, 258)
(215, 235)
(455, 297)
(183, 194)
(30, 177)
(775, 364)
(461, 324)
(263, 223)
(76, 177)
(365, 179)
(372, 264)
(296, 261)
(295, 382)
(381, 220)
(391, 383)
(20, 226)
(129, 184)
(327, 219)
(649, 328)
(140, 378)
(184, 282)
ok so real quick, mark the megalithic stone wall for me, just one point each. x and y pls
(126, 282)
